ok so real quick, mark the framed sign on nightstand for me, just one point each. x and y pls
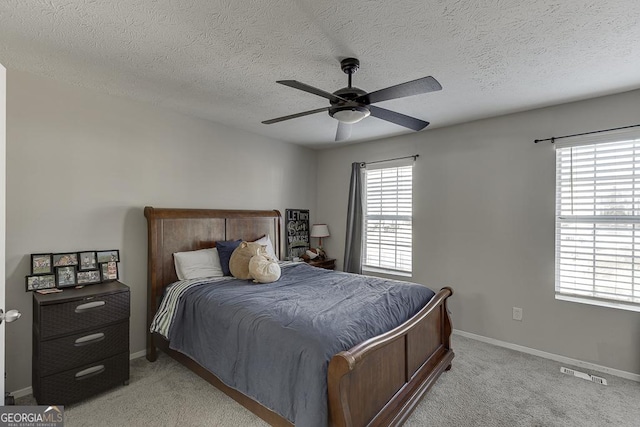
(297, 232)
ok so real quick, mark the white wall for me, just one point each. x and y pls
(81, 166)
(484, 224)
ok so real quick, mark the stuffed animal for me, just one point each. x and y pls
(264, 269)
(312, 254)
(239, 262)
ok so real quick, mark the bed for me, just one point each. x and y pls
(376, 382)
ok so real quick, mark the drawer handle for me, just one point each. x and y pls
(89, 372)
(89, 306)
(89, 339)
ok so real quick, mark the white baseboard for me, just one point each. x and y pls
(22, 392)
(138, 354)
(29, 390)
(551, 356)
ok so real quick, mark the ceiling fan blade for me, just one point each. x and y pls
(314, 90)
(414, 87)
(343, 132)
(294, 116)
(397, 118)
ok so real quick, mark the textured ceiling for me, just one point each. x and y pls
(220, 59)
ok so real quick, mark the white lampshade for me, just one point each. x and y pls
(320, 230)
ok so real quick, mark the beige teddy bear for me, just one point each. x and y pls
(239, 262)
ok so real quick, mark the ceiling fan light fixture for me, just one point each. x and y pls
(350, 115)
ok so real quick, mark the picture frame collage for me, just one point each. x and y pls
(71, 269)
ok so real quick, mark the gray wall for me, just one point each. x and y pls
(484, 224)
(82, 165)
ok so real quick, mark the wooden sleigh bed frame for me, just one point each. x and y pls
(376, 383)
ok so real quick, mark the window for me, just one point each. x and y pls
(388, 218)
(598, 220)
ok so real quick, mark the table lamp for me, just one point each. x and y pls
(320, 231)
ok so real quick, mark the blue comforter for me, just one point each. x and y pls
(273, 342)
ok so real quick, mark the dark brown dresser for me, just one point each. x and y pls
(80, 342)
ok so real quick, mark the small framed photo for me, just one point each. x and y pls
(89, 277)
(62, 260)
(41, 264)
(66, 276)
(87, 261)
(44, 281)
(108, 256)
(109, 271)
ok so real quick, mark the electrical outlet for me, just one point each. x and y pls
(517, 313)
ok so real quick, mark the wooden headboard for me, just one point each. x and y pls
(178, 230)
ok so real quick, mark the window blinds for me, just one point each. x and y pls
(388, 218)
(598, 218)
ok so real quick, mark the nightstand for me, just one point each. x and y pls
(327, 263)
(80, 342)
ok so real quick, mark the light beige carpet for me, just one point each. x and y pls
(487, 386)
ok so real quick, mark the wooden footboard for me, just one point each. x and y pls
(380, 381)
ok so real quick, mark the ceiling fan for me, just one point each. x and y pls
(350, 104)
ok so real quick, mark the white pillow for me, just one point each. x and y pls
(266, 240)
(197, 264)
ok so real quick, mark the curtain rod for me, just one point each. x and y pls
(415, 156)
(553, 138)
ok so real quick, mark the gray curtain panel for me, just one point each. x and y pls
(355, 219)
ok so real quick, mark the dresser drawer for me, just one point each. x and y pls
(82, 314)
(65, 353)
(79, 383)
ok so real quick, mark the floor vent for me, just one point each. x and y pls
(584, 376)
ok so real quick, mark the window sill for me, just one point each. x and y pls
(601, 303)
(377, 270)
